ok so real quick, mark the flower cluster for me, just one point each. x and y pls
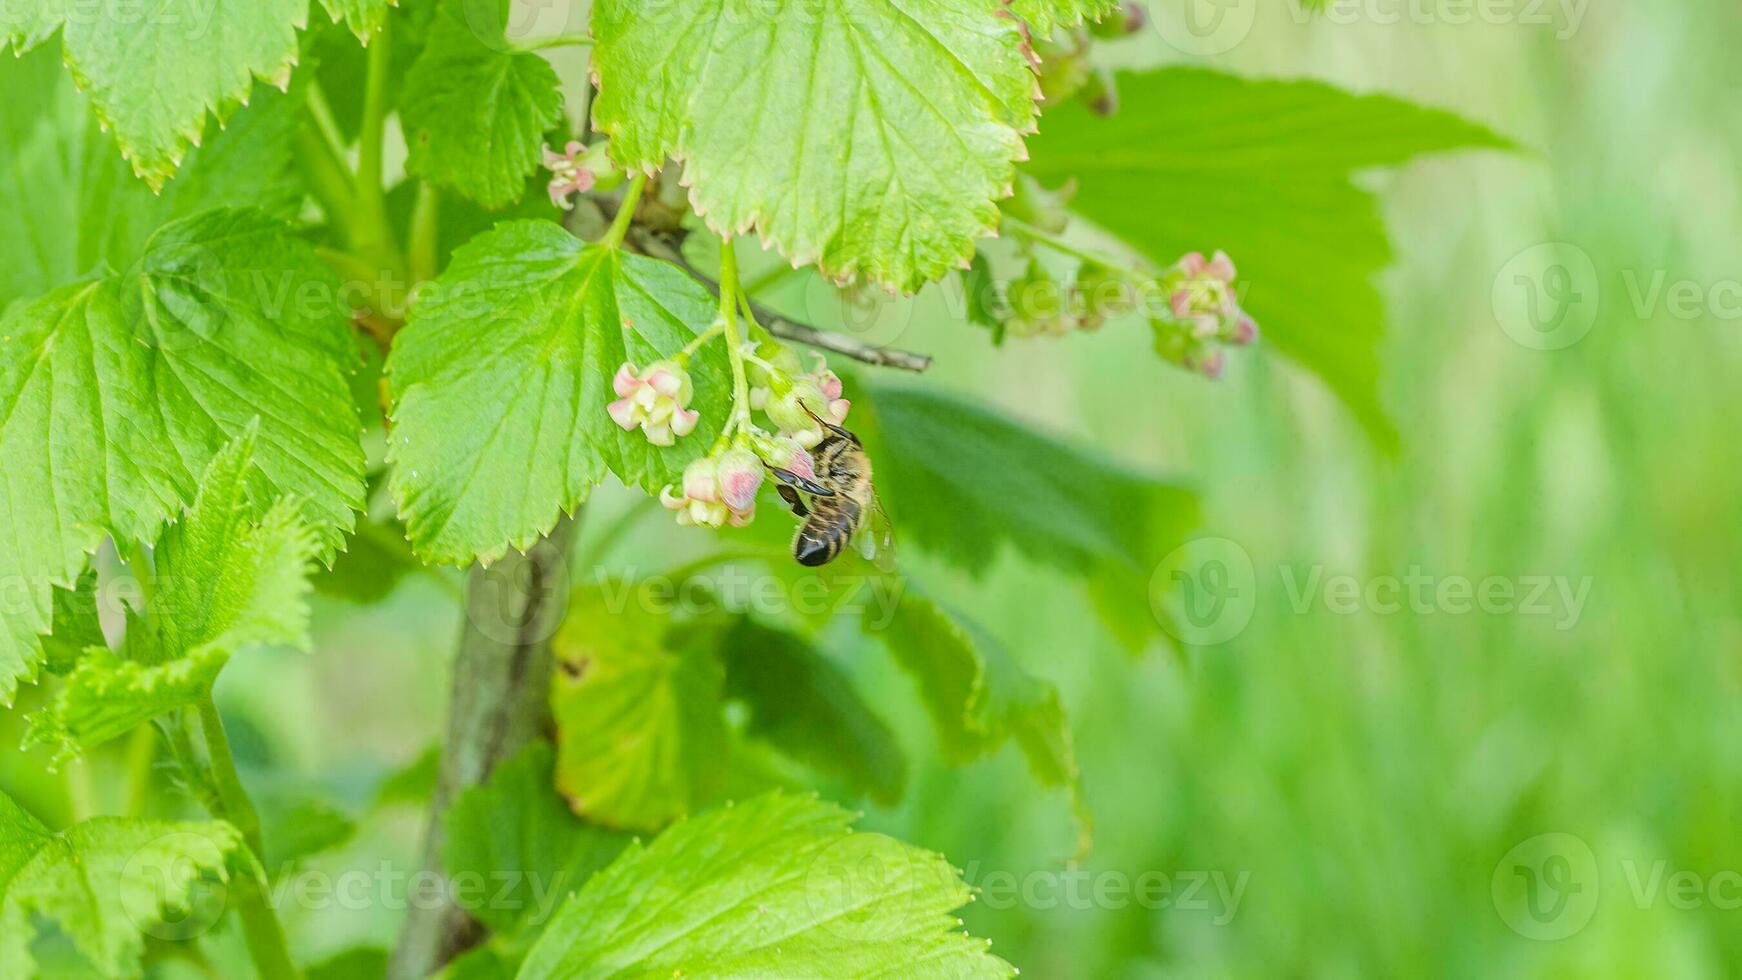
(717, 489)
(1204, 312)
(655, 400)
(578, 169)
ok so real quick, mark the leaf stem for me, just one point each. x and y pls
(320, 111)
(422, 236)
(625, 212)
(260, 925)
(1056, 243)
(734, 344)
(141, 757)
(718, 327)
(373, 237)
(575, 39)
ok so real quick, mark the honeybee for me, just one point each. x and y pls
(843, 504)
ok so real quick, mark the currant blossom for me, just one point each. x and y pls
(717, 490)
(655, 401)
(578, 169)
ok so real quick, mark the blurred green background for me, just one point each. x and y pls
(1373, 786)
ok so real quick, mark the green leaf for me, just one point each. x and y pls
(77, 626)
(223, 579)
(296, 824)
(979, 697)
(804, 705)
(639, 731)
(363, 17)
(513, 843)
(73, 203)
(115, 394)
(502, 374)
(104, 882)
(870, 139)
(355, 963)
(154, 75)
(476, 109)
(1260, 169)
(1046, 16)
(778, 886)
(965, 482)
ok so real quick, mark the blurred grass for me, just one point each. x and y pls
(1367, 772)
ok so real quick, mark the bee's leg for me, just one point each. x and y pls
(792, 479)
(832, 427)
(793, 500)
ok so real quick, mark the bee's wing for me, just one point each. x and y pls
(876, 540)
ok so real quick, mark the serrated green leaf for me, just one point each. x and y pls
(116, 393)
(1260, 169)
(869, 139)
(979, 697)
(1046, 16)
(778, 886)
(639, 732)
(223, 579)
(502, 374)
(76, 625)
(72, 201)
(104, 882)
(363, 17)
(199, 59)
(475, 108)
(514, 838)
(804, 705)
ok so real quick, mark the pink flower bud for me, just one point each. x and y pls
(701, 480)
(740, 476)
(624, 381)
(655, 400)
(1220, 267)
(622, 412)
(1245, 331)
(829, 384)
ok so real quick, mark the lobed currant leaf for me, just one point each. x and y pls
(200, 60)
(514, 828)
(104, 882)
(363, 17)
(502, 376)
(225, 577)
(775, 886)
(979, 697)
(117, 392)
(637, 715)
(870, 139)
(1046, 16)
(475, 109)
(1261, 169)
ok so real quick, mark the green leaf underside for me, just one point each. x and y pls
(979, 697)
(74, 204)
(76, 625)
(1046, 16)
(103, 882)
(965, 480)
(363, 17)
(639, 731)
(514, 834)
(112, 51)
(803, 704)
(115, 394)
(871, 139)
(778, 886)
(502, 375)
(475, 110)
(1260, 169)
(223, 579)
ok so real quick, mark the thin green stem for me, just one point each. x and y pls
(625, 213)
(580, 40)
(422, 236)
(734, 344)
(320, 112)
(718, 327)
(260, 925)
(81, 794)
(1056, 243)
(372, 236)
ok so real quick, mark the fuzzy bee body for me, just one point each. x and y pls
(842, 500)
